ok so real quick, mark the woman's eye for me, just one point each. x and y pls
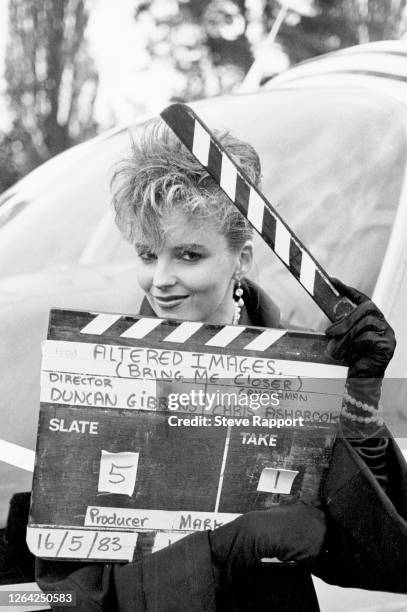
(190, 256)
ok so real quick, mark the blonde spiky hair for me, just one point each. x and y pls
(161, 176)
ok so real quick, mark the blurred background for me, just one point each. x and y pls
(72, 68)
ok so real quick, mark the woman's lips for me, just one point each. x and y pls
(169, 301)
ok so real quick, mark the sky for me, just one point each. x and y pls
(128, 83)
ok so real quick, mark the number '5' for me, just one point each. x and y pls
(121, 476)
(75, 541)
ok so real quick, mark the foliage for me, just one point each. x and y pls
(208, 45)
(204, 40)
(51, 81)
(342, 23)
(9, 151)
(212, 42)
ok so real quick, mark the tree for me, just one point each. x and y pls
(204, 41)
(211, 43)
(9, 150)
(338, 24)
(51, 79)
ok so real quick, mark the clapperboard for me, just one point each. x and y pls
(151, 429)
(120, 458)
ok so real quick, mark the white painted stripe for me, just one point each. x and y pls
(282, 244)
(255, 210)
(307, 273)
(100, 324)
(139, 391)
(88, 540)
(265, 340)
(222, 469)
(183, 332)
(146, 519)
(106, 367)
(228, 177)
(17, 455)
(201, 144)
(141, 328)
(129, 393)
(225, 335)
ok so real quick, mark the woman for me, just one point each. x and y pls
(194, 250)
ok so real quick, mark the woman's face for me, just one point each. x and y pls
(192, 275)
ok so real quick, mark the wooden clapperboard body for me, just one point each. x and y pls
(118, 467)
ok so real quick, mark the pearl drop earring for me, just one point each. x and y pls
(238, 302)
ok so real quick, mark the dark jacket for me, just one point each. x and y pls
(367, 542)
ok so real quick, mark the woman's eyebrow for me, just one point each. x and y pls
(190, 245)
(140, 246)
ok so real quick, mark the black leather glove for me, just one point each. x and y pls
(291, 532)
(365, 341)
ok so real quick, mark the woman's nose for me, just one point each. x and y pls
(163, 273)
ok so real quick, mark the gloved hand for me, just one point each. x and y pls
(291, 532)
(365, 341)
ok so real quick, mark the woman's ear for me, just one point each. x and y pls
(245, 258)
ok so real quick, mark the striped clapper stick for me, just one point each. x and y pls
(201, 142)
